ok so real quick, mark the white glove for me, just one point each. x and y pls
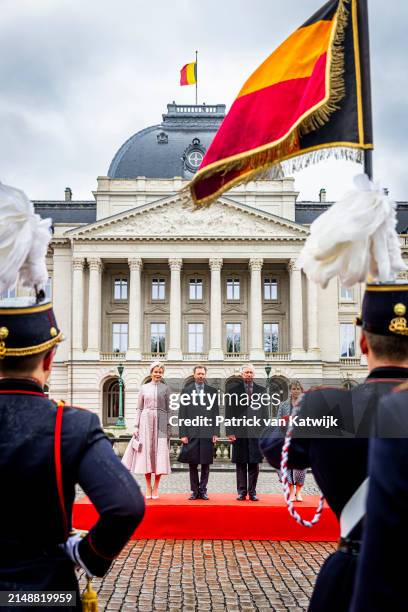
(71, 549)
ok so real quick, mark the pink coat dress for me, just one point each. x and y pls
(150, 455)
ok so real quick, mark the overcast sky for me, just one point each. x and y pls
(80, 76)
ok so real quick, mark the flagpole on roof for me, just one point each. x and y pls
(196, 83)
(366, 77)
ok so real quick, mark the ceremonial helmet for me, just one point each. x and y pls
(384, 309)
(27, 324)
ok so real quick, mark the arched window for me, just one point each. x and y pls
(349, 384)
(111, 401)
(231, 382)
(187, 381)
(280, 386)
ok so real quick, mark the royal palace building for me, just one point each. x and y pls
(137, 274)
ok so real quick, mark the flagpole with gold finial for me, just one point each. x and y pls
(365, 68)
(196, 76)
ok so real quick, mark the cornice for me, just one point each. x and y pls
(60, 242)
(84, 232)
(275, 239)
(122, 216)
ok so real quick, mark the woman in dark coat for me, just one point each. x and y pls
(289, 407)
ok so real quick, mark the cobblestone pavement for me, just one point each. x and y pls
(187, 576)
(216, 575)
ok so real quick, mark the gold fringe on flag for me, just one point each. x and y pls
(288, 151)
(257, 162)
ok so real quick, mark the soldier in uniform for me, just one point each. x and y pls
(381, 572)
(244, 403)
(198, 440)
(46, 447)
(338, 455)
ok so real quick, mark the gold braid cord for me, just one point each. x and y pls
(89, 598)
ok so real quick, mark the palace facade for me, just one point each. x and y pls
(137, 274)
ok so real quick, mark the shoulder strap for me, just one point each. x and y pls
(58, 465)
(354, 510)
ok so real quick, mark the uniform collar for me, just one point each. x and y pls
(388, 372)
(21, 385)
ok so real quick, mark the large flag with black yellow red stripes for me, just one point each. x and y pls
(308, 100)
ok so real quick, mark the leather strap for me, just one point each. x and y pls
(58, 465)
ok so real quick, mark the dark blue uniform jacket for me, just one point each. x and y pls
(381, 571)
(338, 457)
(31, 523)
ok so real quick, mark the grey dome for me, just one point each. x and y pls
(172, 148)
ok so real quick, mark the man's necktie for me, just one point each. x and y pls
(200, 391)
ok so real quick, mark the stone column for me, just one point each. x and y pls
(78, 264)
(62, 286)
(256, 351)
(296, 311)
(215, 353)
(135, 309)
(174, 350)
(312, 320)
(94, 307)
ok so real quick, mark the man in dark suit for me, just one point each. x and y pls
(338, 455)
(241, 405)
(200, 402)
(381, 574)
(46, 449)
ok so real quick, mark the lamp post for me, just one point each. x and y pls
(120, 423)
(268, 386)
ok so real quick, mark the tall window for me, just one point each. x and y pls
(233, 289)
(120, 288)
(119, 337)
(158, 288)
(158, 337)
(233, 337)
(195, 337)
(48, 288)
(196, 289)
(346, 294)
(271, 337)
(347, 340)
(111, 401)
(270, 288)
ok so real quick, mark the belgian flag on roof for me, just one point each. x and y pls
(188, 74)
(309, 99)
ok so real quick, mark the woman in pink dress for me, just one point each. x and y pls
(148, 451)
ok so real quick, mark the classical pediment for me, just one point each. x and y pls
(174, 219)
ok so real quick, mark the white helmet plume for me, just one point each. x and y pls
(24, 239)
(354, 238)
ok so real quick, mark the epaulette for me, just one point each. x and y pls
(76, 407)
(326, 388)
(402, 387)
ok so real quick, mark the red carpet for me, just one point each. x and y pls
(173, 517)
